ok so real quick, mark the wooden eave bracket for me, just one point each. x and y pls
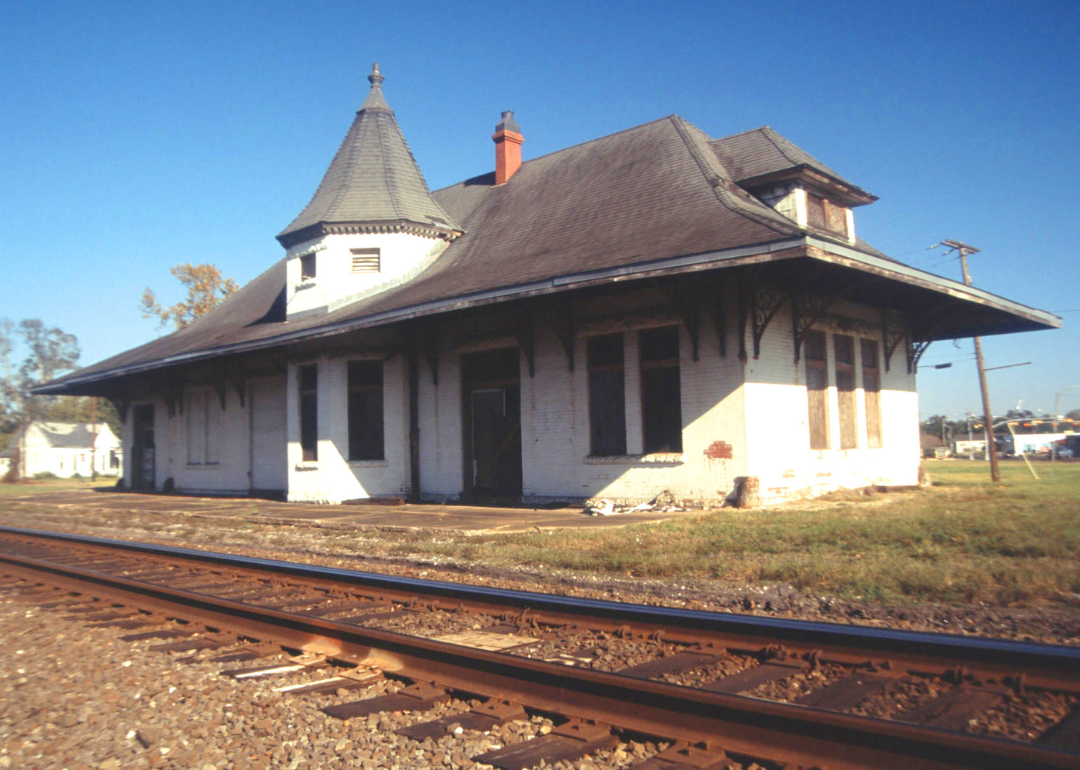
(684, 300)
(120, 404)
(759, 301)
(524, 333)
(893, 330)
(933, 322)
(558, 314)
(172, 393)
(236, 374)
(426, 342)
(807, 308)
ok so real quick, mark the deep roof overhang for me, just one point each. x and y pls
(937, 308)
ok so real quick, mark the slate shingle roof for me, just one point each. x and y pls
(373, 180)
(658, 191)
(762, 151)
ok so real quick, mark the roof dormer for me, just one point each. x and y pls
(791, 181)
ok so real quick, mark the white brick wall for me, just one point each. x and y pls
(400, 255)
(776, 408)
(756, 413)
(333, 477)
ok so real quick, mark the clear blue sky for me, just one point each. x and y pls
(136, 136)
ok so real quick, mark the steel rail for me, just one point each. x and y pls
(1045, 666)
(781, 732)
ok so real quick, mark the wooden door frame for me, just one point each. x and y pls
(467, 389)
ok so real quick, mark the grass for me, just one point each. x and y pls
(37, 486)
(962, 541)
(965, 540)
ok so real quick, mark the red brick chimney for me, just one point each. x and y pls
(508, 141)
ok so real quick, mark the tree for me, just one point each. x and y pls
(932, 426)
(1073, 415)
(205, 289)
(49, 353)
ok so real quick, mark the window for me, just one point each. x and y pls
(307, 267)
(203, 430)
(871, 382)
(661, 408)
(607, 396)
(825, 215)
(309, 412)
(844, 347)
(365, 260)
(817, 384)
(366, 410)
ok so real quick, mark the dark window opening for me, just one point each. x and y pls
(845, 389)
(607, 396)
(366, 410)
(309, 412)
(307, 267)
(871, 378)
(817, 385)
(661, 393)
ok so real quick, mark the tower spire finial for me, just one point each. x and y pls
(375, 99)
(375, 77)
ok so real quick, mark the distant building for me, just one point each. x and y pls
(651, 310)
(65, 449)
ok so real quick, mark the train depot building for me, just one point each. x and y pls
(651, 310)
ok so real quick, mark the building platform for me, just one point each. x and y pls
(449, 517)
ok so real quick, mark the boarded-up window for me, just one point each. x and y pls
(203, 428)
(309, 412)
(607, 396)
(835, 218)
(307, 267)
(844, 347)
(817, 385)
(825, 215)
(366, 410)
(196, 428)
(661, 393)
(871, 381)
(365, 261)
(815, 211)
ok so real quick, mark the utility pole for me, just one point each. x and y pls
(995, 473)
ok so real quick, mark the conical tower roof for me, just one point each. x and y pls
(373, 184)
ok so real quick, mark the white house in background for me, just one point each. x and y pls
(650, 310)
(65, 449)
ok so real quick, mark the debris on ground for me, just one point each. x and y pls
(665, 502)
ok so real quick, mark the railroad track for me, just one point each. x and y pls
(720, 690)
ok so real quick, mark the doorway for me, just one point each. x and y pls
(142, 447)
(491, 390)
(266, 401)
